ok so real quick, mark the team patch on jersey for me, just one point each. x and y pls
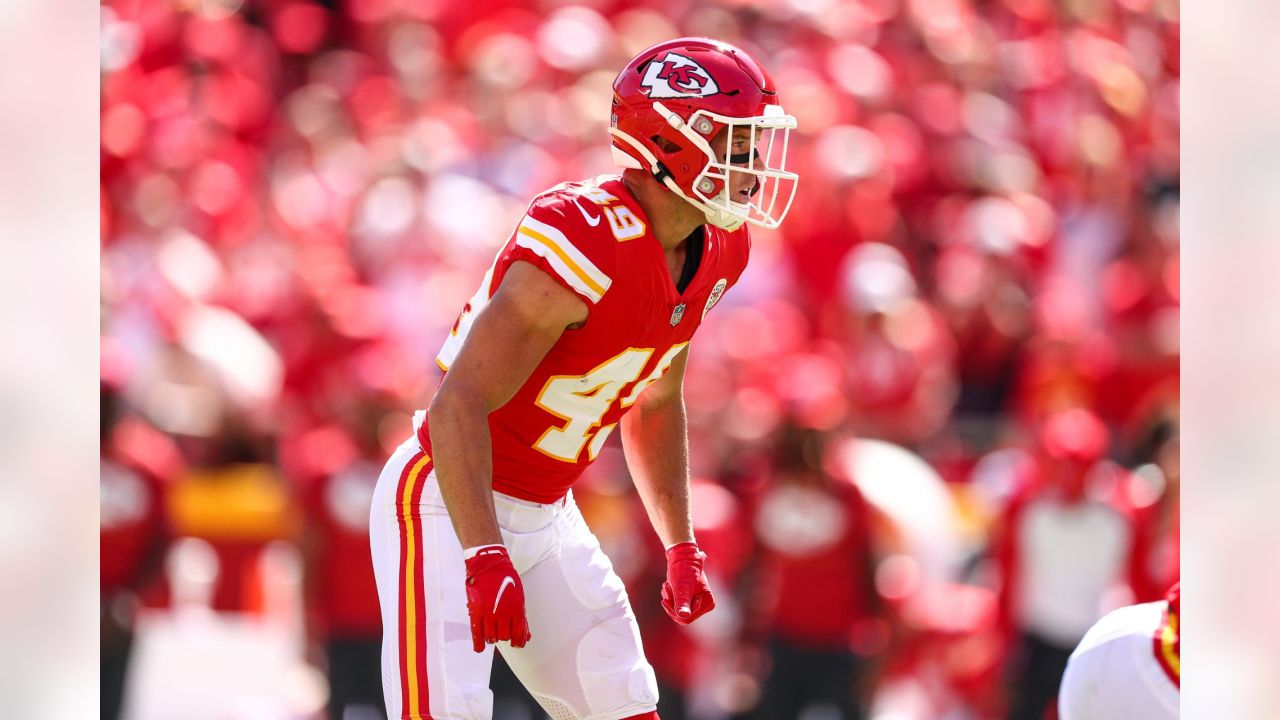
(676, 76)
(716, 293)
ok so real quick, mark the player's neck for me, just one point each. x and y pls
(671, 218)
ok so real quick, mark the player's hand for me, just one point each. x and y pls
(495, 600)
(686, 596)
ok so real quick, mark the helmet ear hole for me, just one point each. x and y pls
(666, 145)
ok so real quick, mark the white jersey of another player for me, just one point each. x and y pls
(1127, 667)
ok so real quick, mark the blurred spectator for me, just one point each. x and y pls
(232, 496)
(136, 464)
(813, 598)
(1140, 297)
(1067, 360)
(336, 468)
(1155, 491)
(984, 299)
(1064, 546)
(900, 375)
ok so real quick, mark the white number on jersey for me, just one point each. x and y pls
(623, 222)
(583, 400)
(664, 363)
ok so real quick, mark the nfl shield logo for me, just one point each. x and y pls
(677, 315)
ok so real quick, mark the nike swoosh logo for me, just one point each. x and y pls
(592, 221)
(506, 583)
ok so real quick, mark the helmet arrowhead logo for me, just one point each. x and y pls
(675, 75)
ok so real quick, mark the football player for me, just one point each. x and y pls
(1128, 665)
(580, 327)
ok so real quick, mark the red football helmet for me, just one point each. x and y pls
(674, 99)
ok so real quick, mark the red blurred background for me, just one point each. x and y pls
(969, 318)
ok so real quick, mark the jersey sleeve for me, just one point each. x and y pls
(560, 243)
(557, 240)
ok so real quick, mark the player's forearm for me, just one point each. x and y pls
(656, 443)
(462, 452)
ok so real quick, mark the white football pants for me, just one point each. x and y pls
(585, 660)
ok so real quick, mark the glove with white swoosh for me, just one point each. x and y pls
(495, 599)
(686, 596)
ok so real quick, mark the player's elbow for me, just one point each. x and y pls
(455, 401)
(657, 401)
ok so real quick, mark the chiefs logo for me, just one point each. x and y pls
(677, 76)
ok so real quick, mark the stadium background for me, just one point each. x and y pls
(298, 197)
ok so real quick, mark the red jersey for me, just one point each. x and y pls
(815, 544)
(594, 239)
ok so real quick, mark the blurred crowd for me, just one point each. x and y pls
(943, 400)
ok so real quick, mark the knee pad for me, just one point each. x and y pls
(478, 704)
(612, 668)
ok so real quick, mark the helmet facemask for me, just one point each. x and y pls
(710, 189)
(763, 164)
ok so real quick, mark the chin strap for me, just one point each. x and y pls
(724, 220)
(715, 216)
(661, 173)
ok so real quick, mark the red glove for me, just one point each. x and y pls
(686, 595)
(495, 599)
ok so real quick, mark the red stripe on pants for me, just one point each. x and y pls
(413, 615)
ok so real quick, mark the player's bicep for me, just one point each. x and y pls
(510, 336)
